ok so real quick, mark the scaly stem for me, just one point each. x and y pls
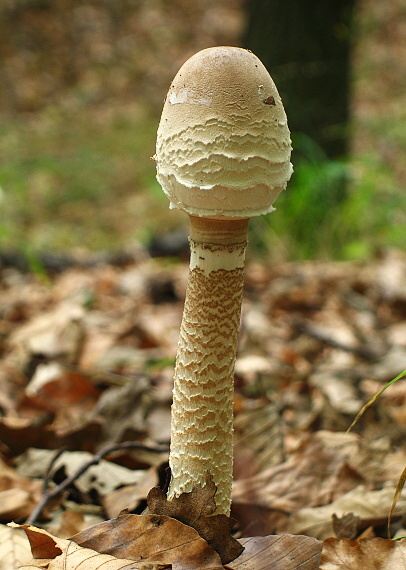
(202, 409)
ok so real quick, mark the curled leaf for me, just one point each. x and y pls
(368, 553)
(151, 538)
(279, 552)
(195, 509)
(52, 552)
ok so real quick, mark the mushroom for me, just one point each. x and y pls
(222, 155)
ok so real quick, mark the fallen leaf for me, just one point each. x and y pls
(57, 332)
(129, 496)
(346, 526)
(14, 548)
(70, 522)
(53, 386)
(61, 554)
(296, 483)
(20, 433)
(279, 552)
(370, 506)
(15, 504)
(196, 510)
(254, 520)
(374, 553)
(154, 538)
(103, 477)
(258, 439)
(18, 495)
(124, 409)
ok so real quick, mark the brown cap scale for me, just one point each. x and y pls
(223, 155)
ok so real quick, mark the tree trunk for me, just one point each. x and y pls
(305, 44)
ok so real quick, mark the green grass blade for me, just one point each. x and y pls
(372, 400)
(399, 489)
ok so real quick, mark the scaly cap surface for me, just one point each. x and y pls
(223, 145)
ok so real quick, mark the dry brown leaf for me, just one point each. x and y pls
(103, 477)
(67, 394)
(371, 554)
(296, 483)
(196, 510)
(53, 386)
(55, 333)
(346, 526)
(254, 520)
(337, 388)
(18, 434)
(279, 552)
(258, 440)
(55, 553)
(129, 496)
(11, 385)
(123, 409)
(18, 495)
(368, 505)
(15, 503)
(152, 538)
(68, 522)
(14, 548)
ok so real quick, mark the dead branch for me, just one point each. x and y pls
(49, 494)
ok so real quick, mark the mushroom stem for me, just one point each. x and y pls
(202, 410)
(222, 155)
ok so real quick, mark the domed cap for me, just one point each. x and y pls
(223, 144)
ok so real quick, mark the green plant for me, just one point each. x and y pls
(402, 478)
(341, 209)
(69, 178)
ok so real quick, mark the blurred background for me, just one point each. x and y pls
(82, 83)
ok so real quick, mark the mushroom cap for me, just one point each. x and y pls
(223, 143)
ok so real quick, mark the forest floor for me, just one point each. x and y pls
(88, 341)
(87, 356)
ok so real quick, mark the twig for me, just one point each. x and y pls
(48, 474)
(364, 352)
(49, 494)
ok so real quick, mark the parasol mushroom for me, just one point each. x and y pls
(223, 155)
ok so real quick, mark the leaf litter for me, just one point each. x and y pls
(87, 364)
